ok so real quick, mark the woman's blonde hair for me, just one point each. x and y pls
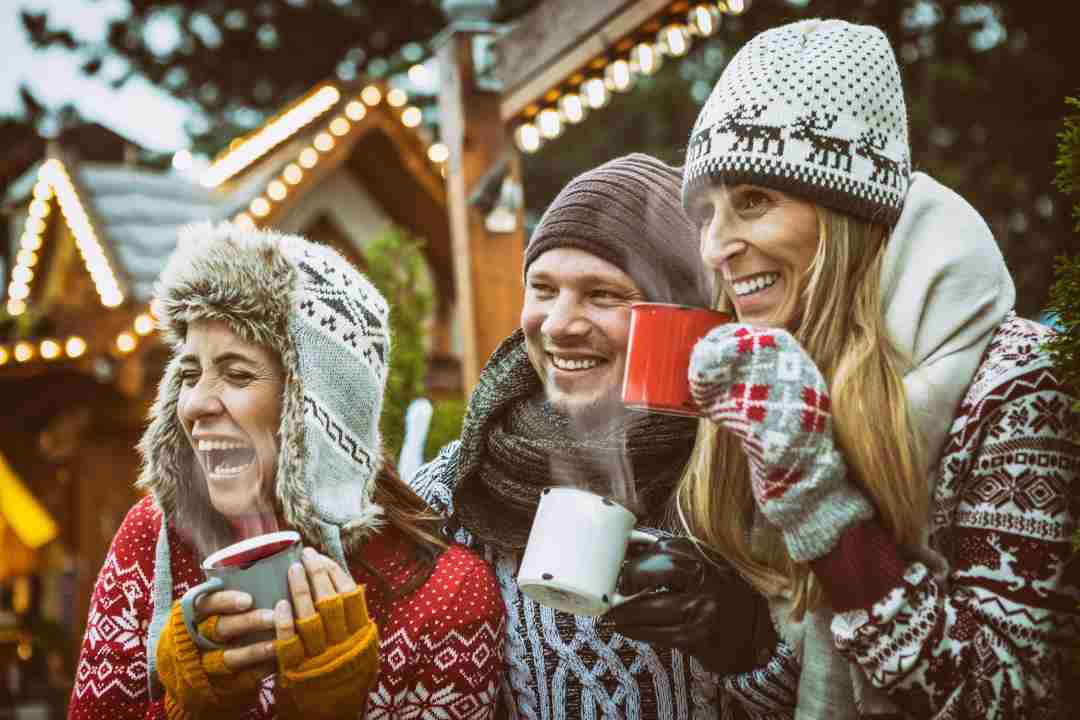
(842, 328)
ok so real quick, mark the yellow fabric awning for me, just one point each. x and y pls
(21, 513)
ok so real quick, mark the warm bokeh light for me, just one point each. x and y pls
(292, 173)
(260, 207)
(550, 123)
(371, 95)
(50, 349)
(23, 351)
(527, 138)
(675, 40)
(276, 190)
(75, 346)
(618, 76)
(144, 324)
(125, 342)
(595, 93)
(16, 307)
(396, 97)
(411, 116)
(308, 157)
(572, 108)
(438, 153)
(339, 126)
(646, 59)
(355, 110)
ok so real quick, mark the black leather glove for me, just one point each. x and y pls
(704, 610)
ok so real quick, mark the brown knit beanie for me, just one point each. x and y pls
(628, 212)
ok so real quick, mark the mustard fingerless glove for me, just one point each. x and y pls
(198, 683)
(327, 669)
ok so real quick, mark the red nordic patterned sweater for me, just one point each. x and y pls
(988, 639)
(440, 646)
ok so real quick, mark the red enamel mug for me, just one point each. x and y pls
(662, 336)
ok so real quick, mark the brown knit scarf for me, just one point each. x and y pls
(513, 445)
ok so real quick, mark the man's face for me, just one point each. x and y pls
(576, 320)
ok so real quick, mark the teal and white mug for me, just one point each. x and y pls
(258, 566)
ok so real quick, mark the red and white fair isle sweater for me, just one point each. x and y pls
(989, 638)
(440, 647)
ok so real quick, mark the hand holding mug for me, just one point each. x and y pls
(327, 647)
(704, 608)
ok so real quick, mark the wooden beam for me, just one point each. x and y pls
(559, 38)
(487, 266)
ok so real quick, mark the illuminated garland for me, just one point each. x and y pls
(334, 131)
(54, 182)
(74, 347)
(591, 89)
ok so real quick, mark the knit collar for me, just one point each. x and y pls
(513, 445)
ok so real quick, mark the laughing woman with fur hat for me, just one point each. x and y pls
(267, 418)
(888, 455)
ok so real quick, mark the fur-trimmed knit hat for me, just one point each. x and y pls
(814, 108)
(329, 326)
(629, 213)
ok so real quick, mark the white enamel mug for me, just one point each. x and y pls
(575, 551)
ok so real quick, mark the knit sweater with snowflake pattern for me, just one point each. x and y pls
(560, 666)
(987, 635)
(440, 646)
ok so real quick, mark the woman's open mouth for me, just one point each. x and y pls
(225, 458)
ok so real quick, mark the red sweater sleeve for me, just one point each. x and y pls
(459, 647)
(111, 678)
(989, 636)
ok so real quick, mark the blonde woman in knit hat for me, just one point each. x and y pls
(887, 455)
(267, 418)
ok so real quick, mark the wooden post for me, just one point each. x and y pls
(487, 265)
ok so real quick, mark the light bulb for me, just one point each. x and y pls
(675, 40)
(595, 93)
(550, 123)
(572, 108)
(527, 138)
(618, 76)
(646, 59)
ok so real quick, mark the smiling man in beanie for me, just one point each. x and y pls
(547, 411)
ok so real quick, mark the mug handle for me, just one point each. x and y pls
(187, 607)
(637, 536)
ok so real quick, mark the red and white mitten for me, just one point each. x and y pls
(761, 385)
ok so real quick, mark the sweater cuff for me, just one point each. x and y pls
(862, 569)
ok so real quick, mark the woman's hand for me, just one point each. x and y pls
(314, 580)
(327, 648)
(759, 384)
(225, 616)
(218, 682)
(705, 609)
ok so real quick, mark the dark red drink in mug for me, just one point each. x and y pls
(662, 337)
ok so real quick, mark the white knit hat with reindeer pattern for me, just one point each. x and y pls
(814, 108)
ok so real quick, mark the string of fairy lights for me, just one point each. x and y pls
(592, 88)
(74, 347)
(54, 182)
(334, 131)
(567, 104)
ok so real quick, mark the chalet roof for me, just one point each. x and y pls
(141, 211)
